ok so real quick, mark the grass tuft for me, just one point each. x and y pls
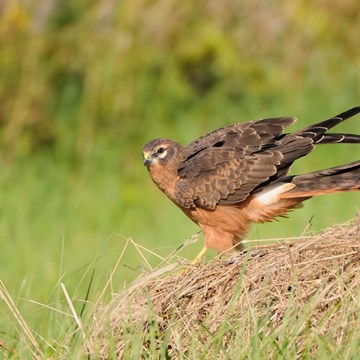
(290, 298)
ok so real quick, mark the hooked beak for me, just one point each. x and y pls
(147, 158)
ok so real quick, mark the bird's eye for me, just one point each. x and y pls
(160, 150)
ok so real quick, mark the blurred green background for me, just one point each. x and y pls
(84, 84)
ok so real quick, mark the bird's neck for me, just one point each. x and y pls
(165, 177)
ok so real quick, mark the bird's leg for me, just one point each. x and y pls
(194, 261)
(199, 256)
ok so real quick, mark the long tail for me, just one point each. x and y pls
(318, 132)
(339, 178)
(302, 142)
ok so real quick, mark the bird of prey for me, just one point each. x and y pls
(238, 175)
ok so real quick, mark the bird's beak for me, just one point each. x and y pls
(147, 158)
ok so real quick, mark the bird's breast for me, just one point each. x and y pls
(165, 179)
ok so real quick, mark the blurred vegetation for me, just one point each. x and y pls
(74, 72)
(83, 84)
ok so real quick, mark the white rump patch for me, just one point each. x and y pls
(271, 194)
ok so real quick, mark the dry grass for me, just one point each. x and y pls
(310, 285)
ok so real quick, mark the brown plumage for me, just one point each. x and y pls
(237, 175)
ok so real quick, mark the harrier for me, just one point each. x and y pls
(238, 175)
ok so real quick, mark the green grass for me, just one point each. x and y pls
(305, 330)
(59, 223)
(83, 86)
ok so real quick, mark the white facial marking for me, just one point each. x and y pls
(162, 155)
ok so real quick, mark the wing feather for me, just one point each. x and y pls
(226, 165)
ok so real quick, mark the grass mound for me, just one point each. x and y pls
(295, 297)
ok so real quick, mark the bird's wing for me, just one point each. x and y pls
(226, 165)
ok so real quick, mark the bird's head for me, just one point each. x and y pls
(160, 152)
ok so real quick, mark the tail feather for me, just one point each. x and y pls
(336, 179)
(330, 123)
(340, 138)
(302, 142)
(318, 132)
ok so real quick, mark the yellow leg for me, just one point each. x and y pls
(195, 261)
(199, 255)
